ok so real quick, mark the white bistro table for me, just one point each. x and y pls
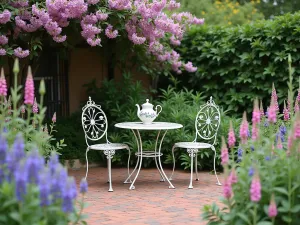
(156, 154)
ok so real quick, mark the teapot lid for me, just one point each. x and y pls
(147, 103)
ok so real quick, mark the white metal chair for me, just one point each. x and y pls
(207, 125)
(94, 124)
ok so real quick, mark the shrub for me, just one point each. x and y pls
(263, 186)
(238, 64)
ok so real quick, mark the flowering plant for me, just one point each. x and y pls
(262, 183)
(32, 192)
(145, 23)
(28, 117)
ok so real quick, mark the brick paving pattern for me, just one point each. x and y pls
(152, 202)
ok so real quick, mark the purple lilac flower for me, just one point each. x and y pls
(35, 163)
(83, 186)
(21, 180)
(251, 172)
(44, 187)
(3, 149)
(69, 193)
(15, 154)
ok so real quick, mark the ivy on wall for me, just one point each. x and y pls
(238, 64)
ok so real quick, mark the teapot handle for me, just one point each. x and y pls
(159, 110)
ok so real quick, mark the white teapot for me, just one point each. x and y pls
(147, 114)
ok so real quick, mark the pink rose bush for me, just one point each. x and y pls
(261, 176)
(144, 23)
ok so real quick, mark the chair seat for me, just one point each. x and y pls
(110, 146)
(196, 145)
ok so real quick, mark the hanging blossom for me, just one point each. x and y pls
(189, 67)
(20, 53)
(5, 16)
(244, 129)
(255, 189)
(231, 136)
(29, 89)
(3, 85)
(224, 153)
(3, 40)
(110, 33)
(2, 51)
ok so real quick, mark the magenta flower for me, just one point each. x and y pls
(3, 85)
(189, 67)
(261, 109)
(286, 113)
(231, 136)
(5, 16)
(244, 128)
(227, 188)
(29, 89)
(272, 211)
(275, 98)
(2, 51)
(232, 177)
(255, 189)
(54, 118)
(256, 113)
(254, 132)
(297, 128)
(272, 117)
(35, 108)
(224, 153)
(3, 40)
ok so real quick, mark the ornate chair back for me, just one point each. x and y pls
(94, 122)
(207, 122)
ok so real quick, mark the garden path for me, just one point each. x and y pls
(151, 203)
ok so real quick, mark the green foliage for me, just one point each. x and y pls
(277, 167)
(222, 12)
(238, 64)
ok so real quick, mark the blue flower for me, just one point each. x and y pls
(267, 158)
(252, 148)
(251, 171)
(53, 162)
(21, 180)
(5, 130)
(248, 133)
(240, 155)
(59, 180)
(68, 195)
(44, 186)
(35, 163)
(266, 124)
(1, 175)
(83, 186)
(3, 149)
(282, 129)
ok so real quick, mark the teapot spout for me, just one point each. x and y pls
(138, 111)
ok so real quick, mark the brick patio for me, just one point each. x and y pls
(151, 202)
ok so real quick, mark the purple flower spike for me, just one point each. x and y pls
(34, 163)
(21, 179)
(251, 172)
(3, 149)
(59, 180)
(83, 186)
(44, 186)
(18, 148)
(53, 162)
(69, 194)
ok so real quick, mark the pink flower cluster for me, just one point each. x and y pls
(255, 189)
(20, 53)
(231, 136)
(244, 129)
(227, 186)
(224, 153)
(35, 108)
(5, 16)
(272, 211)
(120, 4)
(110, 33)
(275, 98)
(272, 116)
(3, 85)
(29, 89)
(286, 113)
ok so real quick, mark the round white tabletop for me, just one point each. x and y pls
(152, 126)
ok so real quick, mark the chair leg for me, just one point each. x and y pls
(196, 167)
(173, 162)
(191, 179)
(109, 155)
(87, 163)
(218, 182)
